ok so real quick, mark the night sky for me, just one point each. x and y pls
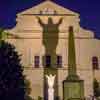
(89, 11)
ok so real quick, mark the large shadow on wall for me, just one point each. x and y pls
(88, 9)
(50, 42)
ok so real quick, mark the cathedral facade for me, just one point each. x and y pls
(41, 38)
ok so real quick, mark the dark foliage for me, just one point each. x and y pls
(96, 88)
(11, 79)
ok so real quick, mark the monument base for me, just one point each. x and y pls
(73, 90)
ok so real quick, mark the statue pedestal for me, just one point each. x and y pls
(73, 90)
(51, 94)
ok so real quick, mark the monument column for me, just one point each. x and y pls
(72, 74)
(73, 87)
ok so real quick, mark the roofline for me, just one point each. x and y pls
(76, 14)
(48, 14)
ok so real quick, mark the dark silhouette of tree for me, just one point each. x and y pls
(3, 34)
(12, 85)
(96, 87)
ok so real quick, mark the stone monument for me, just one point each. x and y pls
(73, 87)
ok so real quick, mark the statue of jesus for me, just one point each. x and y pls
(50, 80)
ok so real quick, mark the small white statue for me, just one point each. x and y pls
(50, 79)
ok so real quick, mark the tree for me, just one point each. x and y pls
(12, 85)
(96, 87)
(3, 34)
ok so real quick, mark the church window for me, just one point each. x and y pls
(59, 61)
(95, 63)
(48, 61)
(36, 61)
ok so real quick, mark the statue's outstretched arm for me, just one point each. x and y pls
(47, 76)
(40, 22)
(60, 21)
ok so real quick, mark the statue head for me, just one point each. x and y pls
(50, 21)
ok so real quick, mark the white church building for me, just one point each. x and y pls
(28, 41)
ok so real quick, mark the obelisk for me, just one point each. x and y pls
(72, 74)
(73, 87)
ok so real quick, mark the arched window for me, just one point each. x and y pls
(59, 61)
(95, 62)
(48, 61)
(36, 61)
